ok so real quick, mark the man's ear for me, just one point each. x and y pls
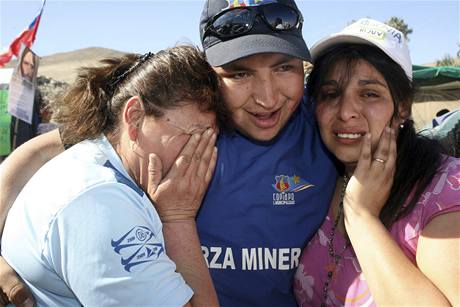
(133, 114)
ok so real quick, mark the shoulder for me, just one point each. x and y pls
(109, 205)
(85, 165)
(123, 236)
(443, 193)
(105, 219)
(446, 182)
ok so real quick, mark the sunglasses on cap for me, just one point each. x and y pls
(239, 21)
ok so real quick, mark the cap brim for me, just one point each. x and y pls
(228, 51)
(336, 39)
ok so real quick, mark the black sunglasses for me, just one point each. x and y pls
(238, 21)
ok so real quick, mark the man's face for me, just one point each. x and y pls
(262, 91)
(28, 66)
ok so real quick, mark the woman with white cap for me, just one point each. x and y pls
(390, 236)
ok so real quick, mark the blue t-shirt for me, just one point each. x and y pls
(264, 203)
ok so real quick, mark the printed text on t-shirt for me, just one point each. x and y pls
(254, 258)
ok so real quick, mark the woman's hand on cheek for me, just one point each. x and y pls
(178, 196)
(370, 185)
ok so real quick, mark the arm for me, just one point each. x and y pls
(437, 254)
(392, 278)
(177, 199)
(183, 247)
(15, 171)
(21, 164)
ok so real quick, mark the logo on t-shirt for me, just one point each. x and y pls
(137, 246)
(286, 186)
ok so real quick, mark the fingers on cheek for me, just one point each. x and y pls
(192, 144)
(185, 160)
(213, 160)
(367, 148)
(366, 155)
(211, 166)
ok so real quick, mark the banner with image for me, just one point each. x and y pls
(21, 94)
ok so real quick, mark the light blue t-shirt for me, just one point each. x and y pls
(265, 201)
(81, 232)
(441, 125)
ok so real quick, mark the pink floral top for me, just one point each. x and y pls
(348, 286)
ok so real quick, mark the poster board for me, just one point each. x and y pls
(21, 93)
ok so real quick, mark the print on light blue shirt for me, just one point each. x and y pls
(137, 246)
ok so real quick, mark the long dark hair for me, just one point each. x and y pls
(168, 79)
(418, 158)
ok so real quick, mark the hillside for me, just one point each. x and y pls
(63, 66)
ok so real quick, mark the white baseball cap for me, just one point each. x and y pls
(371, 32)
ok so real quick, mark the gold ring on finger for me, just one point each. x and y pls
(379, 160)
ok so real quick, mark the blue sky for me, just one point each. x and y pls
(151, 25)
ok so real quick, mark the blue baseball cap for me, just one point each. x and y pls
(260, 39)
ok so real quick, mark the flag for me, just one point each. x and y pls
(27, 37)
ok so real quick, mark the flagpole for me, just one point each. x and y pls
(15, 133)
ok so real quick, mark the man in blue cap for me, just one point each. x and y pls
(273, 179)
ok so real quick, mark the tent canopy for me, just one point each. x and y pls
(424, 75)
(436, 83)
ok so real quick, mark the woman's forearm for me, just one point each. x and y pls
(183, 247)
(392, 278)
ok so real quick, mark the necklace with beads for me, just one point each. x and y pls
(335, 256)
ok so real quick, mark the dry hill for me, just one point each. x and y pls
(63, 66)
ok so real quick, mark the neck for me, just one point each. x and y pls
(130, 160)
(350, 169)
(338, 198)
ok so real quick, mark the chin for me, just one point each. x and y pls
(262, 136)
(346, 158)
(350, 165)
